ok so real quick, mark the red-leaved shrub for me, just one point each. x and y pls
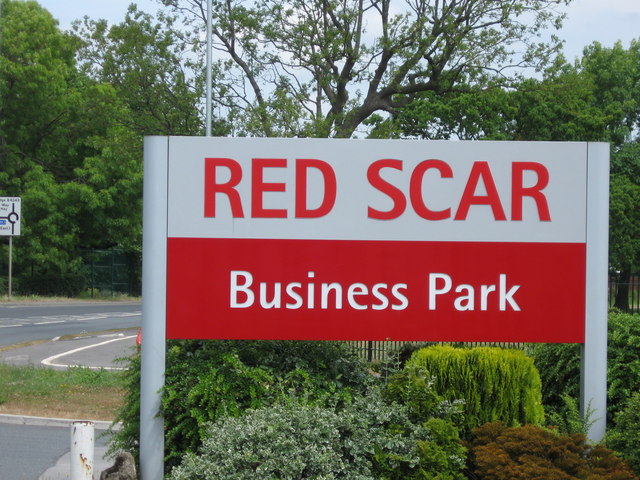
(497, 452)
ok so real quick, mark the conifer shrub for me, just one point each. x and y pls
(366, 439)
(492, 383)
(498, 452)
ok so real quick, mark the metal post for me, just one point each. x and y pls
(10, 262)
(82, 447)
(209, 46)
(154, 287)
(593, 378)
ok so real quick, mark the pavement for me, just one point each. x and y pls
(99, 350)
(61, 470)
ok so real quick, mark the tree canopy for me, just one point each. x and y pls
(323, 67)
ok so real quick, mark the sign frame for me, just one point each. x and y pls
(154, 291)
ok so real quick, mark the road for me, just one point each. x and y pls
(26, 322)
(26, 451)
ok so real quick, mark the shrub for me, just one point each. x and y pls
(568, 419)
(52, 285)
(205, 380)
(624, 437)
(559, 366)
(365, 440)
(498, 452)
(493, 383)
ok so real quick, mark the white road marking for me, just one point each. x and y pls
(51, 319)
(49, 361)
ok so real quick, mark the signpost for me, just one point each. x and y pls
(372, 240)
(10, 226)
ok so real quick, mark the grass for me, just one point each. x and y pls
(86, 298)
(76, 393)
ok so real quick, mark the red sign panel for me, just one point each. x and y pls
(371, 290)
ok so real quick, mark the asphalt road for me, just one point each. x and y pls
(25, 322)
(37, 451)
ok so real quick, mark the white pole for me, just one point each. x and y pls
(209, 46)
(593, 382)
(82, 443)
(10, 260)
(154, 286)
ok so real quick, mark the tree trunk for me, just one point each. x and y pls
(622, 290)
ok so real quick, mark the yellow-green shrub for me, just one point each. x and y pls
(494, 383)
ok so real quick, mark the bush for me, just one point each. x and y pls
(206, 380)
(624, 437)
(493, 383)
(52, 285)
(365, 440)
(559, 366)
(497, 452)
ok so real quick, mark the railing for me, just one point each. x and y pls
(383, 351)
(624, 295)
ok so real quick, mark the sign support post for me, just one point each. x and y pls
(593, 375)
(9, 290)
(154, 269)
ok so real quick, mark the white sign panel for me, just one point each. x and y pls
(10, 216)
(377, 190)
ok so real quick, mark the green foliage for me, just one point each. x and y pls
(624, 437)
(493, 383)
(615, 74)
(73, 111)
(365, 440)
(623, 356)
(568, 419)
(51, 285)
(414, 388)
(497, 452)
(207, 380)
(624, 219)
(559, 366)
(126, 436)
(593, 100)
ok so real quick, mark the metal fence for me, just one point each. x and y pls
(624, 293)
(112, 271)
(390, 351)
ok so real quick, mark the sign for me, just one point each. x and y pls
(375, 240)
(249, 238)
(10, 216)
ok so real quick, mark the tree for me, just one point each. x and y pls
(559, 107)
(149, 64)
(36, 92)
(323, 67)
(75, 108)
(624, 219)
(615, 73)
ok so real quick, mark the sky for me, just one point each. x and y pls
(605, 21)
